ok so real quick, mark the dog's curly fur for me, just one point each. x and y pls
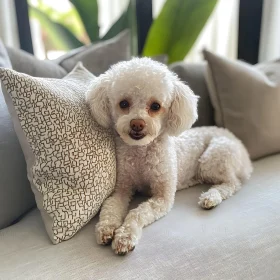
(167, 156)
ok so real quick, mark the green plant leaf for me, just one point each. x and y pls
(61, 38)
(132, 23)
(126, 21)
(88, 11)
(72, 21)
(177, 27)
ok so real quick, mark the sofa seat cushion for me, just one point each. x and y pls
(240, 239)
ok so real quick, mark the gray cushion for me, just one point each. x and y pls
(98, 58)
(28, 64)
(16, 196)
(246, 99)
(240, 239)
(193, 75)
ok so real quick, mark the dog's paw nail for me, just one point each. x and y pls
(107, 241)
(210, 199)
(122, 245)
(122, 253)
(207, 207)
(105, 234)
(208, 204)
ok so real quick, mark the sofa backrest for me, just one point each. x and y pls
(16, 196)
(193, 75)
(26, 63)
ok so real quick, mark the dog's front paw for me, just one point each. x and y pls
(104, 233)
(123, 242)
(210, 199)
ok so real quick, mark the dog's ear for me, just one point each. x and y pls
(97, 98)
(183, 111)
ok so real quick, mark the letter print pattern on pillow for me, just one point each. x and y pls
(74, 158)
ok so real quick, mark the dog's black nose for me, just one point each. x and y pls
(137, 125)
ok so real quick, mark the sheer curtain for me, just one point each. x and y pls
(8, 23)
(109, 12)
(220, 34)
(270, 39)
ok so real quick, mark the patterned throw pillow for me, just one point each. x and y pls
(70, 159)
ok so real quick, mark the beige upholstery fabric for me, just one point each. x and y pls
(239, 240)
(70, 158)
(247, 101)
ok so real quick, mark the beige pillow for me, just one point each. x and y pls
(246, 100)
(70, 159)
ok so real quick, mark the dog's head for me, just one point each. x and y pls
(142, 99)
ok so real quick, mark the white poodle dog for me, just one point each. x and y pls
(151, 111)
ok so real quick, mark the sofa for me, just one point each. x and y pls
(240, 239)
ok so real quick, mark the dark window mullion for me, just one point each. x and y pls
(144, 16)
(249, 30)
(24, 31)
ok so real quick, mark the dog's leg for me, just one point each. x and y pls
(219, 165)
(127, 236)
(112, 214)
(217, 193)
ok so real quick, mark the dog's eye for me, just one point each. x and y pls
(124, 104)
(155, 106)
